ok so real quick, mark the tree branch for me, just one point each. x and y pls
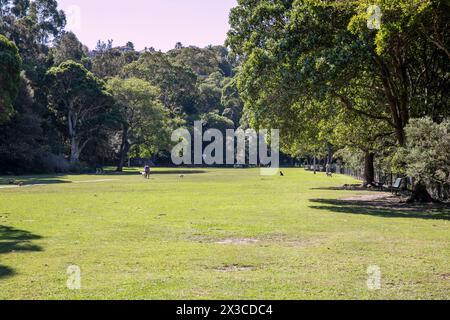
(347, 103)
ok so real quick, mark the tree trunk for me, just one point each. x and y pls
(74, 151)
(329, 162)
(420, 194)
(369, 168)
(315, 165)
(330, 154)
(74, 143)
(124, 149)
(400, 133)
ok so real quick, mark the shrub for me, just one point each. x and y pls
(427, 155)
(52, 163)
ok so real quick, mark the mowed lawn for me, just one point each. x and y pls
(214, 234)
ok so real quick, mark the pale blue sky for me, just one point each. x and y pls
(149, 23)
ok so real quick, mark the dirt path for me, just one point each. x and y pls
(370, 197)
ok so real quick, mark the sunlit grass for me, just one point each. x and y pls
(216, 233)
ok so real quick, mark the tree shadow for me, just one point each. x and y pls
(30, 181)
(6, 272)
(185, 172)
(385, 208)
(351, 187)
(15, 240)
(34, 181)
(59, 179)
(157, 172)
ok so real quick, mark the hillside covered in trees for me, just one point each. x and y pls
(64, 107)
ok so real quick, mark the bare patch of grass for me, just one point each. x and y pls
(445, 276)
(235, 268)
(370, 197)
(238, 241)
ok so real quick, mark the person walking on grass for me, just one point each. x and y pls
(147, 172)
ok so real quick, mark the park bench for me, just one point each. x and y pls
(397, 185)
(380, 184)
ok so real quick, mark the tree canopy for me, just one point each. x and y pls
(10, 66)
(80, 104)
(324, 73)
(144, 120)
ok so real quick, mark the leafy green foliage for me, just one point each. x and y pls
(107, 63)
(68, 47)
(308, 67)
(146, 125)
(202, 61)
(316, 70)
(21, 138)
(213, 120)
(79, 102)
(10, 65)
(32, 25)
(231, 101)
(297, 67)
(177, 83)
(427, 154)
(411, 51)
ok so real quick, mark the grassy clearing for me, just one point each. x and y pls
(214, 234)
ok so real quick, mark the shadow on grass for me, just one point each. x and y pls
(384, 209)
(15, 240)
(355, 187)
(153, 172)
(6, 272)
(57, 179)
(38, 180)
(186, 172)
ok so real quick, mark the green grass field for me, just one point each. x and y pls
(214, 234)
